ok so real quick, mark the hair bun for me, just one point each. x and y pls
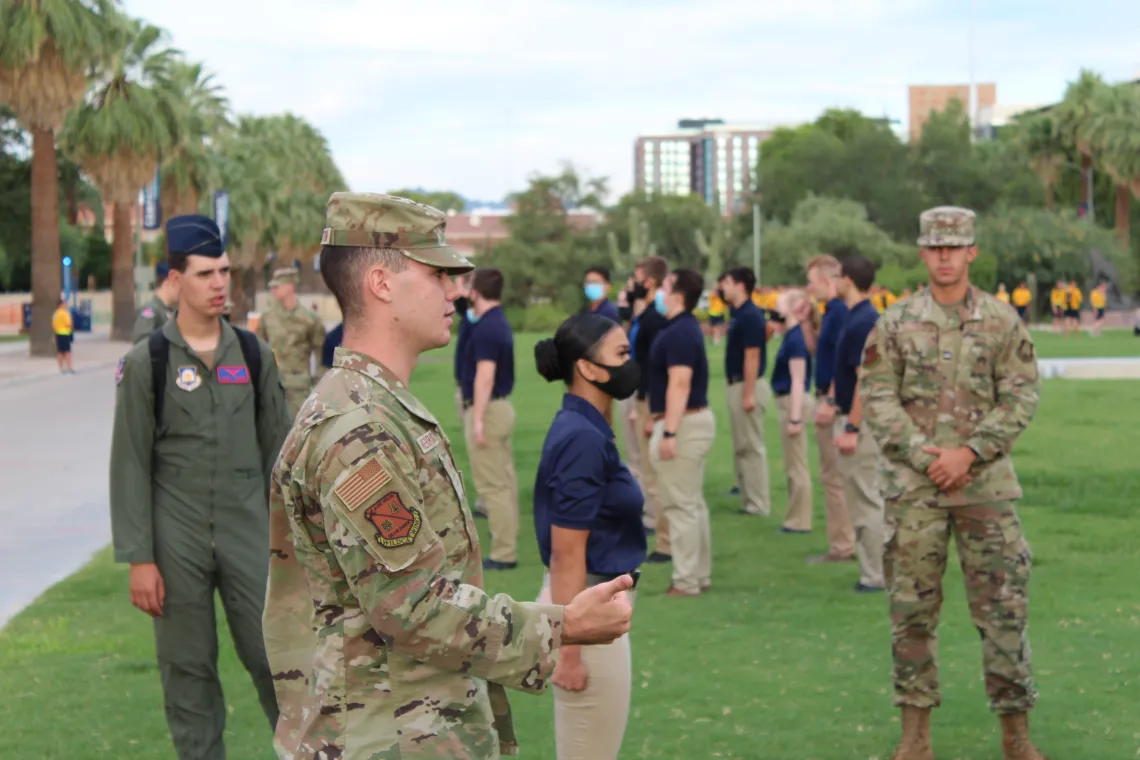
(547, 362)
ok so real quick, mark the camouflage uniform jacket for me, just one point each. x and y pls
(294, 336)
(151, 316)
(931, 380)
(381, 639)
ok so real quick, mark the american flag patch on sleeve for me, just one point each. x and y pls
(356, 489)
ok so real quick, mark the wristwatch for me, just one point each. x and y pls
(829, 400)
(849, 428)
(667, 434)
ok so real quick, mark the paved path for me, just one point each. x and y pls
(53, 466)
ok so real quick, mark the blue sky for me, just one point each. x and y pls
(474, 96)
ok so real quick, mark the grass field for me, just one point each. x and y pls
(779, 660)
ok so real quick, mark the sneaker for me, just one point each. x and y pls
(492, 564)
(860, 588)
(657, 558)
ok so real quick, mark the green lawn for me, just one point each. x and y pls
(779, 660)
(12, 337)
(1110, 343)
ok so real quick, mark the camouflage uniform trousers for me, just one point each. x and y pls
(996, 560)
(297, 389)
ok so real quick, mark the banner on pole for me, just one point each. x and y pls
(152, 208)
(222, 214)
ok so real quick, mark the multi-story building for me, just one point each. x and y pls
(927, 98)
(703, 156)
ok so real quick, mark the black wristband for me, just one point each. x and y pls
(849, 428)
(795, 422)
(667, 434)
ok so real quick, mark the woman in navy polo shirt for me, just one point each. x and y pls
(587, 517)
(791, 383)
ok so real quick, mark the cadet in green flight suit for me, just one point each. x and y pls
(160, 308)
(189, 509)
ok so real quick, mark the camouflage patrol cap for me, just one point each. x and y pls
(386, 221)
(285, 276)
(946, 227)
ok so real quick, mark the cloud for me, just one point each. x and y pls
(476, 95)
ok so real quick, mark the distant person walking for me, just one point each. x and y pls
(63, 329)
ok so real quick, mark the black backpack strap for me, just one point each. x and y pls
(251, 352)
(159, 358)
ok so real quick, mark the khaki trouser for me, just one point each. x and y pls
(796, 463)
(493, 469)
(750, 454)
(631, 446)
(681, 481)
(649, 482)
(840, 534)
(590, 724)
(862, 483)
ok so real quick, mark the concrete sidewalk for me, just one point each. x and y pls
(90, 353)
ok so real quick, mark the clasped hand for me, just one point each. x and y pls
(951, 470)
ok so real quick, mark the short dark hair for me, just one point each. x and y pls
(602, 272)
(488, 283)
(690, 284)
(655, 267)
(342, 267)
(744, 276)
(178, 262)
(576, 338)
(859, 270)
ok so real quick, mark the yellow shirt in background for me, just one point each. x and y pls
(1074, 298)
(1057, 297)
(716, 306)
(1002, 296)
(1022, 296)
(1096, 298)
(61, 321)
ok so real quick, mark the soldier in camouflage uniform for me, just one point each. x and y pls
(295, 334)
(160, 308)
(949, 381)
(381, 640)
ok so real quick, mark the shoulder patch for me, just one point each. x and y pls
(1025, 351)
(119, 371)
(148, 312)
(358, 487)
(427, 441)
(396, 524)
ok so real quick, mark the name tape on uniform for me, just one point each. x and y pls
(360, 485)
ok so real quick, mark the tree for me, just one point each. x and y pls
(1038, 138)
(622, 261)
(128, 121)
(1114, 131)
(201, 116)
(46, 50)
(1073, 117)
(672, 222)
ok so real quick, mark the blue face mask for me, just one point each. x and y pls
(472, 317)
(659, 303)
(595, 291)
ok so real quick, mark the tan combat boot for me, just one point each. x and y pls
(1015, 743)
(915, 742)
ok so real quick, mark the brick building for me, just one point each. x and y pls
(926, 98)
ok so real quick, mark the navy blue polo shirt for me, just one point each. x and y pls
(461, 339)
(332, 342)
(680, 343)
(645, 330)
(791, 347)
(583, 485)
(607, 309)
(746, 329)
(490, 339)
(849, 352)
(833, 321)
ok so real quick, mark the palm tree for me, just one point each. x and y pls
(1046, 151)
(47, 48)
(1114, 131)
(1073, 117)
(201, 118)
(127, 122)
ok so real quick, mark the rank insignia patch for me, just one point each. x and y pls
(396, 525)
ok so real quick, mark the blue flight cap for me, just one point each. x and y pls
(194, 234)
(161, 269)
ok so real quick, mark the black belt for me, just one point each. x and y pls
(734, 379)
(468, 403)
(843, 412)
(777, 394)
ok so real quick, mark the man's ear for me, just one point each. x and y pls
(378, 283)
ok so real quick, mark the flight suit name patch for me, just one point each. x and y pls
(188, 378)
(233, 375)
(396, 525)
(363, 483)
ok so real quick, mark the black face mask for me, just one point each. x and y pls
(623, 382)
(625, 313)
(461, 306)
(639, 292)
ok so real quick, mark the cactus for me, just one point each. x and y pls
(639, 245)
(713, 250)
